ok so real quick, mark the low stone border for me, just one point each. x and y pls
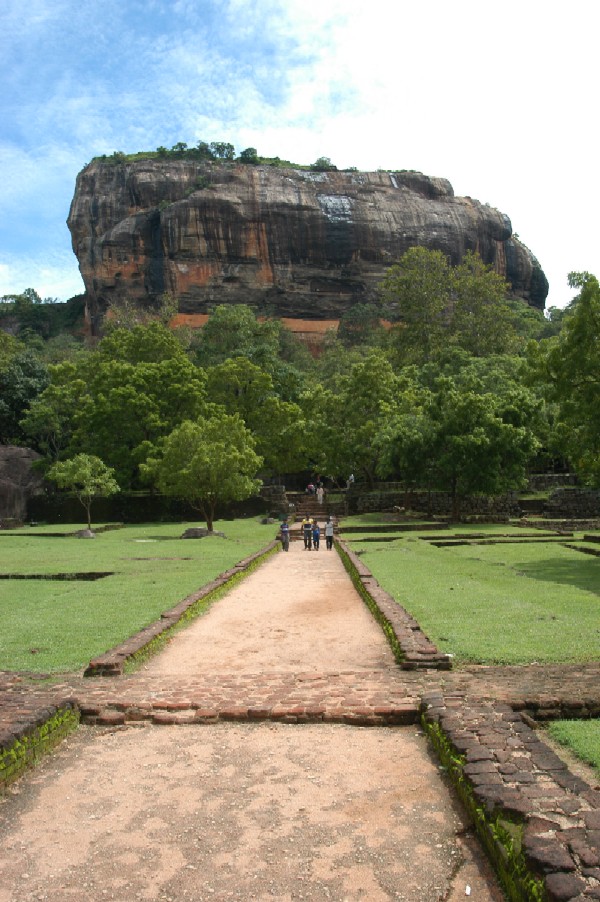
(539, 822)
(360, 699)
(35, 733)
(412, 648)
(152, 637)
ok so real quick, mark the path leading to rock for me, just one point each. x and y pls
(241, 811)
(299, 612)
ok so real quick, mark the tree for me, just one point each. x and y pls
(118, 402)
(481, 321)
(127, 313)
(207, 463)
(179, 149)
(570, 367)
(435, 304)
(405, 435)
(323, 164)
(127, 408)
(351, 415)
(21, 381)
(87, 476)
(416, 294)
(240, 387)
(249, 155)
(234, 331)
(203, 151)
(9, 348)
(360, 325)
(153, 342)
(33, 314)
(473, 450)
(52, 416)
(222, 150)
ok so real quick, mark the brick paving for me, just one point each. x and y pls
(487, 713)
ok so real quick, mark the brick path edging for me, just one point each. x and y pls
(539, 822)
(412, 648)
(113, 662)
(34, 732)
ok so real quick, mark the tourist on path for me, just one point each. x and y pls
(285, 535)
(329, 533)
(307, 533)
(316, 535)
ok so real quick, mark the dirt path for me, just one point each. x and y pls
(247, 811)
(298, 612)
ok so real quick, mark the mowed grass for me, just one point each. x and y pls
(496, 603)
(51, 626)
(581, 737)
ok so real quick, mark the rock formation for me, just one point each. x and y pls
(18, 482)
(296, 243)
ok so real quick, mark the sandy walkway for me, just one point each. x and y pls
(247, 811)
(299, 611)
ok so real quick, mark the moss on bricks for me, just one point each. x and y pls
(28, 748)
(501, 837)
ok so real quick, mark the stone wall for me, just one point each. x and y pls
(573, 504)
(539, 482)
(502, 507)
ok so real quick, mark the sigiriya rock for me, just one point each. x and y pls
(292, 242)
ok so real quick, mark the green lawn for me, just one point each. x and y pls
(582, 737)
(494, 603)
(53, 626)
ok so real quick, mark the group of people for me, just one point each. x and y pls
(311, 533)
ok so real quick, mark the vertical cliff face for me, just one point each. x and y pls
(298, 243)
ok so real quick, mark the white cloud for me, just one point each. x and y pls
(500, 101)
(55, 276)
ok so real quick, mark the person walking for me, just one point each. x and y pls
(320, 494)
(307, 533)
(329, 533)
(285, 535)
(316, 535)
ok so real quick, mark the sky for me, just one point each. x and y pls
(501, 99)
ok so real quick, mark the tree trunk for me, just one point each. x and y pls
(455, 502)
(88, 510)
(208, 512)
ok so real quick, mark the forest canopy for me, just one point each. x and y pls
(463, 390)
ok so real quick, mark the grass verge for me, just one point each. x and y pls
(494, 603)
(581, 737)
(56, 626)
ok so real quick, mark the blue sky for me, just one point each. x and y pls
(501, 99)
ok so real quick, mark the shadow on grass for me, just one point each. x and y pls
(584, 574)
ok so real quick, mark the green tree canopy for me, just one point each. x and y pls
(207, 463)
(481, 320)
(22, 379)
(52, 417)
(87, 476)
(152, 342)
(349, 417)
(435, 305)
(234, 331)
(416, 294)
(240, 387)
(473, 450)
(115, 409)
(569, 367)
